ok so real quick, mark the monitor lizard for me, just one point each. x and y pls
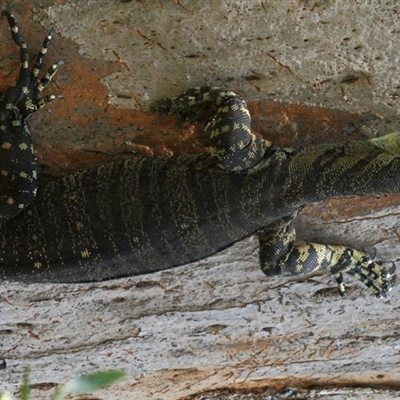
(138, 216)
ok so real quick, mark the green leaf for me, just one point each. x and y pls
(25, 389)
(89, 383)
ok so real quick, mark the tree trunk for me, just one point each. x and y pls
(314, 72)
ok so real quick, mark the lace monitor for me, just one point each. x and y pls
(139, 216)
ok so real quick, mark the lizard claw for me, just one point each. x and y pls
(24, 98)
(379, 280)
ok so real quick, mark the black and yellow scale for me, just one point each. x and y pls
(139, 216)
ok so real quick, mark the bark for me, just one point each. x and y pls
(314, 73)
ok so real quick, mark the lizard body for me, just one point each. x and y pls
(139, 216)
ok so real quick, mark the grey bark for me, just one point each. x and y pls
(220, 324)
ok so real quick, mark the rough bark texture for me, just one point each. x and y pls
(314, 71)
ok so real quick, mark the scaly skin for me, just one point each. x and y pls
(144, 215)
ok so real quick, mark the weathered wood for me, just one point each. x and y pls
(215, 324)
(218, 324)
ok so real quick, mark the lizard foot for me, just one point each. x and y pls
(379, 280)
(189, 106)
(24, 98)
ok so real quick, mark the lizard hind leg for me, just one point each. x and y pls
(282, 255)
(229, 129)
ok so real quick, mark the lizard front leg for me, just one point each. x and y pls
(229, 128)
(18, 181)
(281, 255)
